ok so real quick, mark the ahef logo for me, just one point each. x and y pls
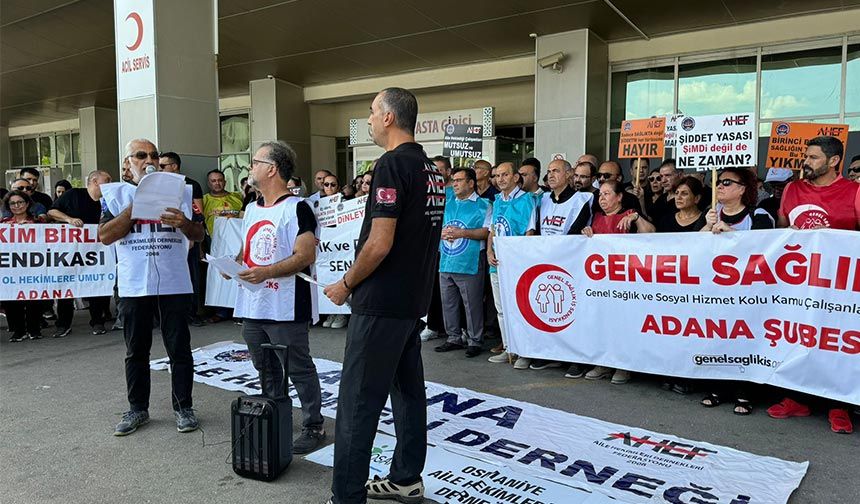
(261, 243)
(783, 129)
(688, 124)
(738, 120)
(546, 297)
(386, 195)
(458, 246)
(808, 217)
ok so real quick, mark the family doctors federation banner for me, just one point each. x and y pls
(780, 307)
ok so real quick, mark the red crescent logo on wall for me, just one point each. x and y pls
(139, 22)
(546, 297)
(261, 243)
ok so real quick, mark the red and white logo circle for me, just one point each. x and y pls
(261, 243)
(546, 297)
(808, 217)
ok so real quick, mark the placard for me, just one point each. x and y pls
(787, 145)
(642, 138)
(716, 141)
(463, 141)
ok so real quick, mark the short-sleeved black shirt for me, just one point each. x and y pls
(196, 190)
(44, 199)
(406, 186)
(77, 203)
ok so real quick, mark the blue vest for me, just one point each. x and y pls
(462, 255)
(511, 218)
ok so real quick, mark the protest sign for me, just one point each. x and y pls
(780, 307)
(671, 136)
(534, 443)
(642, 138)
(787, 145)
(327, 210)
(54, 261)
(716, 141)
(463, 141)
(226, 240)
(336, 249)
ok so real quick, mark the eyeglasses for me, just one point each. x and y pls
(143, 155)
(330, 184)
(255, 162)
(23, 188)
(604, 175)
(17, 203)
(727, 182)
(365, 182)
(655, 178)
(854, 170)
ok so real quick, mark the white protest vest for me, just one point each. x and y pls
(152, 259)
(556, 218)
(268, 236)
(746, 223)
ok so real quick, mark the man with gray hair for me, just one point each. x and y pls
(279, 233)
(153, 278)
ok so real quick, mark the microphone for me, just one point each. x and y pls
(150, 169)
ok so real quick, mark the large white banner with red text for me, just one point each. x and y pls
(54, 261)
(780, 307)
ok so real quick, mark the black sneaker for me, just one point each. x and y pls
(575, 371)
(131, 420)
(448, 346)
(15, 338)
(473, 351)
(99, 329)
(62, 332)
(308, 441)
(186, 420)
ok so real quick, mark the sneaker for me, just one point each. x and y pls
(503, 357)
(382, 488)
(49, 315)
(840, 422)
(620, 377)
(339, 322)
(473, 351)
(522, 363)
(448, 346)
(427, 334)
(131, 420)
(99, 329)
(35, 336)
(308, 441)
(544, 364)
(117, 325)
(62, 332)
(15, 338)
(575, 371)
(328, 320)
(599, 373)
(788, 408)
(186, 420)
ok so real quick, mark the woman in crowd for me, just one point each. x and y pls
(366, 180)
(348, 192)
(688, 193)
(611, 219)
(737, 194)
(61, 187)
(653, 191)
(24, 317)
(356, 185)
(297, 186)
(331, 185)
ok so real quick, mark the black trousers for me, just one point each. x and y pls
(382, 357)
(98, 307)
(137, 313)
(24, 316)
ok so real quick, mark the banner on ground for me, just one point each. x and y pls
(787, 145)
(780, 307)
(336, 249)
(716, 141)
(226, 240)
(642, 138)
(463, 141)
(536, 443)
(54, 261)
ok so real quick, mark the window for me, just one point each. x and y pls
(639, 94)
(803, 83)
(235, 149)
(852, 81)
(343, 160)
(721, 87)
(513, 144)
(58, 155)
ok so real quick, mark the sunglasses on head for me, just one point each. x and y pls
(143, 155)
(727, 182)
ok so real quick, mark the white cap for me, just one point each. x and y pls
(778, 175)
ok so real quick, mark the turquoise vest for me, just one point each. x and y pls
(511, 218)
(462, 255)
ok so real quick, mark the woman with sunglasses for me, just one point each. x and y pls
(737, 193)
(653, 191)
(366, 180)
(331, 186)
(24, 317)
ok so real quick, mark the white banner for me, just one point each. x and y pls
(716, 141)
(780, 307)
(628, 464)
(336, 249)
(54, 261)
(327, 210)
(226, 240)
(134, 39)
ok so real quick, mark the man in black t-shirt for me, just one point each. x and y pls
(31, 175)
(390, 281)
(78, 207)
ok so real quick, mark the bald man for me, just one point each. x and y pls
(484, 188)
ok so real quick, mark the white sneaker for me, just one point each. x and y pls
(339, 322)
(427, 334)
(599, 373)
(382, 488)
(503, 357)
(620, 377)
(328, 320)
(522, 363)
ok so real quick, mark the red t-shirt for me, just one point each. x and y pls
(835, 206)
(608, 224)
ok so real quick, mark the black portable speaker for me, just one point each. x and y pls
(262, 429)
